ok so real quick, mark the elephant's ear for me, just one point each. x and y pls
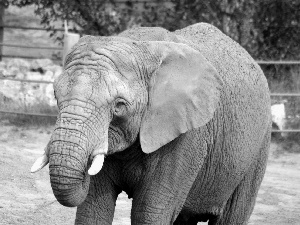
(183, 94)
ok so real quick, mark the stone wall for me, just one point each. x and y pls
(24, 93)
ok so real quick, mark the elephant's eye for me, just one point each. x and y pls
(120, 107)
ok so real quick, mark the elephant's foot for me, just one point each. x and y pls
(180, 221)
(240, 205)
(186, 219)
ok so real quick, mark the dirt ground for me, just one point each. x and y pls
(27, 198)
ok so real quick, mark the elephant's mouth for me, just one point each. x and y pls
(70, 176)
(72, 159)
(76, 151)
(68, 191)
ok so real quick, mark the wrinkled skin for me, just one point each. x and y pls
(183, 119)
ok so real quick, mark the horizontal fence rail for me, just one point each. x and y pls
(27, 81)
(33, 28)
(285, 131)
(285, 94)
(278, 62)
(28, 113)
(26, 46)
(30, 57)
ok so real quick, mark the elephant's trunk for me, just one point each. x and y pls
(68, 167)
(71, 148)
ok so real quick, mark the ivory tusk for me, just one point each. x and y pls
(96, 164)
(40, 163)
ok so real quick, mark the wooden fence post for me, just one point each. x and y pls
(1, 29)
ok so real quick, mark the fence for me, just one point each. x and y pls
(259, 62)
(2, 27)
(2, 44)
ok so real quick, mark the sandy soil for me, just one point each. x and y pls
(27, 198)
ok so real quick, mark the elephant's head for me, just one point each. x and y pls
(115, 90)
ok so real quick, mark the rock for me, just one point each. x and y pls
(4, 99)
(11, 89)
(48, 76)
(14, 67)
(40, 64)
(33, 76)
(2, 68)
(20, 76)
(58, 72)
(11, 72)
(49, 93)
(55, 69)
(3, 64)
(25, 93)
(22, 65)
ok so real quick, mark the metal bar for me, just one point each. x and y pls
(35, 28)
(285, 131)
(27, 81)
(278, 62)
(28, 113)
(24, 46)
(29, 57)
(29, 28)
(285, 94)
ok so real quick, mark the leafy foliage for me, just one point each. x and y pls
(278, 29)
(268, 29)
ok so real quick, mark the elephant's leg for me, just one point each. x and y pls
(99, 205)
(168, 179)
(240, 206)
(185, 220)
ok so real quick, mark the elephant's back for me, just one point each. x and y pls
(149, 34)
(242, 121)
(232, 61)
(244, 93)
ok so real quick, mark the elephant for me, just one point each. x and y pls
(179, 120)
